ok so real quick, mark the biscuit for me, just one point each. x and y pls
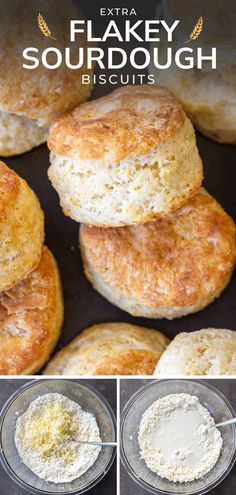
(208, 99)
(207, 95)
(125, 158)
(164, 269)
(110, 349)
(19, 134)
(31, 315)
(22, 228)
(30, 99)
(211, 351)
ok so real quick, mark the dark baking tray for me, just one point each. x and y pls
(84, 306)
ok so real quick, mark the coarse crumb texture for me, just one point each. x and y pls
(31, 315)
(126, 158)
(19, 134)
(207, 96)
(22, 228)
(199, 441)
(164, 269)
(46, 438)
(110, 349)
(31, 99)
(211, 351)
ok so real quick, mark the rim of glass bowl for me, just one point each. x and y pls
(7, 466)
(125, 462)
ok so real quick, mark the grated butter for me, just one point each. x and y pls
(46, 438)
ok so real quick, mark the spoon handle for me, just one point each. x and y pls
(101, 444)
(228, 422)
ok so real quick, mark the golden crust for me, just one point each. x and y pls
(216, 122)
(210, 351)
(110, 349)
(31, 315)
(138, 189)
(211, 110)
(40, 93)
(180, 261)
(131, 119)
(22, 228)
(9, 189)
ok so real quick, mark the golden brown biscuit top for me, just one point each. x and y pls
(9, 188)
(176, 260)
(110, 349)
(38, 93)
(26, 311)
(209, 351)
(130, 120)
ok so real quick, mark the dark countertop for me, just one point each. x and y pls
(129, 387)
(108, 389)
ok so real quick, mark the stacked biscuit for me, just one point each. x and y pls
(31, 308)
(153, 242)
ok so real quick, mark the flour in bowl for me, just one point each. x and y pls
(46, 438)
(178, 439)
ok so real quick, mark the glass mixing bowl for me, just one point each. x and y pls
(219, 408)
(90, 400)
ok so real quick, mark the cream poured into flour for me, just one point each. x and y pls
(178, 439)
(46, 438)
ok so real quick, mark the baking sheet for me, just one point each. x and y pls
(84, 306)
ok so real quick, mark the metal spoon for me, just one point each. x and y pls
(228, 422)
(101, 444)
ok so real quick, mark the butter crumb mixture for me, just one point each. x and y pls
(46, 438)
(52, 430)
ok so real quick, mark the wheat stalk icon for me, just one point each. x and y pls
(196, 30)
(44, 27)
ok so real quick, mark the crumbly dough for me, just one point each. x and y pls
(46, 438)
(178, 439)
